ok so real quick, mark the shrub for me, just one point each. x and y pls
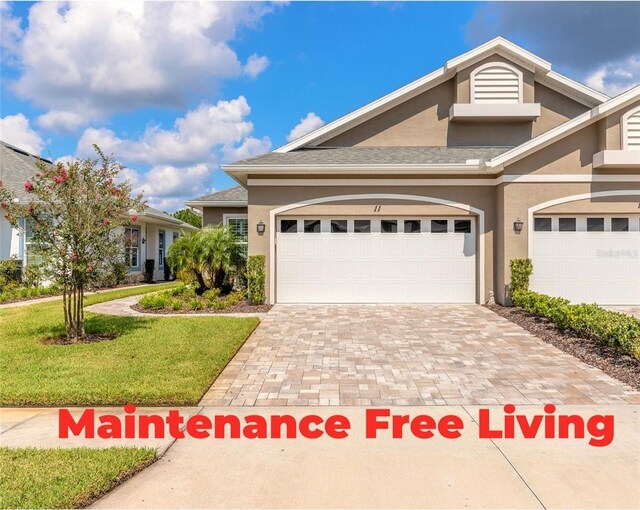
(154, 301)
(10, 273)
(176, 305)
(236, 297)
(211, 294)
(196, 304)
(255, 279)
(521, 270)
(149, 267)
(120, 272)
(586, 320)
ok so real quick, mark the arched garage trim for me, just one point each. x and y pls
(374, 196)
(571, 198)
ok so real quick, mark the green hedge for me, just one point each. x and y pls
(255, 279)
(589, 321)
(521, 270)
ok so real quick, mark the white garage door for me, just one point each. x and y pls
(372, 260)
(593, 259)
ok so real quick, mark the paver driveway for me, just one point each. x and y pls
(404, 355)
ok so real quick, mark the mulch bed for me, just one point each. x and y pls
(611, 361)
(90, 338)
(242, 307)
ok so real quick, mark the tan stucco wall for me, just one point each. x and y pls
(424, 120)
(215, 215)
(263, 199)
(515, 199)
(611, 128)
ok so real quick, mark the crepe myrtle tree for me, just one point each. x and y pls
(73, 215)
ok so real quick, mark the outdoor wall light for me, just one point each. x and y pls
(260, 227)
(144, 240)
(517, 225)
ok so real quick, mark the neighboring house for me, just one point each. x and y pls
(426, 194)
(149, 238)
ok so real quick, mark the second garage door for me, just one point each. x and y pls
(376, 260)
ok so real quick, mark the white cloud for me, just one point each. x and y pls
(15, 129)
(194, 138)
(606, 59)
(255, 65)
(84, 61)
(310, 123)
(615, 78)
(183, 158)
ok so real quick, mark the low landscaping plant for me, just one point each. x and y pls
(586, 320)
(255, 279)
(184, 297)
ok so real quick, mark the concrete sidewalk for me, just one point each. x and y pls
(393, 473)
(38, 427)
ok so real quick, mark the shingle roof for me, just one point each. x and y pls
(17, 166)
(375, 156)
(237, 194)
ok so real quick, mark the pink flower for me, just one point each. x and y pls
(38, 174)
(57, 179)
(28, 186)
(134, 218)
(89, 269)
(4, 205)
(106, 221)
(63, 173)
(74, 256)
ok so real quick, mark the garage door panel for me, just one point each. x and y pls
(375, 268)
(591, 267)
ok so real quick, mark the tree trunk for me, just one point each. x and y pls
(201, 282)
(218, 278)
(73, 300)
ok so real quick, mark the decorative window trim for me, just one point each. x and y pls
(472, 90)
(624, 131)
(138, 267)
(164, 248)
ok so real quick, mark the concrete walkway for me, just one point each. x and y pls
(404, 355)
(38, 427)
(36, 301)
(628, 309)
(123, 307)
(356, 472)
(393, 473)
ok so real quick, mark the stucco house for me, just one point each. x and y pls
(149, 238)
(427, 193)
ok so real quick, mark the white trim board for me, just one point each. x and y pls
(530, 179)
(375, 196)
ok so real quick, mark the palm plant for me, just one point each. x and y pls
(209, 254)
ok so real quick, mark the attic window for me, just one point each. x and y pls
(496, 82)
(631, 130)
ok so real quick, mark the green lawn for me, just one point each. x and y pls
(154, 361)
(65, 478)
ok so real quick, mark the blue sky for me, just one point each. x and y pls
(174, 90)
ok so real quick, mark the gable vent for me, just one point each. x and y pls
(497, 84)
(633, 131)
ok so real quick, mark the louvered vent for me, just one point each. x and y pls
(633, 131)
(496, 84)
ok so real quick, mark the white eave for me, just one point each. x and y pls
(215, 203)
(540, 67)
(241, 172)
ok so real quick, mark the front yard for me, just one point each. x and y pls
(65, 478)
(153, 361)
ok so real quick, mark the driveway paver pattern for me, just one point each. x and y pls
(404, 355)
